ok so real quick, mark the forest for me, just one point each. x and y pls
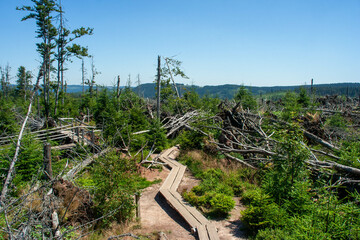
(72, 163)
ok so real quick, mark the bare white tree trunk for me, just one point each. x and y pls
(18, 143)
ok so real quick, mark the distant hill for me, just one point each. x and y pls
(229, 90)
(147, 90)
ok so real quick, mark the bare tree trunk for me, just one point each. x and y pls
(18, 144)
(172, 78)
(83, 75)
(47, 161)
(158, 88)
(118, 87)
(58, 84)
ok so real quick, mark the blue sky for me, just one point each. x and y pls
(252, 42)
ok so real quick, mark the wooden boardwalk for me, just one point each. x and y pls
(198, 223)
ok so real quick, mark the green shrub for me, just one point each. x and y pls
(157, 135)
(221, 204)
(336, 120)
(213, 195)
(350, 153)
(291, 106)
(30, 161)
(116, 181)
(262, 216)
(190, 140)
(245, 97)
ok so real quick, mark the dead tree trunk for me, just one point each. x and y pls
(47, 161)
(172, 78)
(158, 88)
(118, 88)
(18, 143)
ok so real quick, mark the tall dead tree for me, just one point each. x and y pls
(138, 83)
(83, 75)
(172, 78)
(118, 87)
(158, 87)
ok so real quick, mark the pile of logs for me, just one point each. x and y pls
(241, 133)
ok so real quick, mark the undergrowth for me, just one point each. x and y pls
(214, 195)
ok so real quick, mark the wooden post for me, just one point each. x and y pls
(47, 161)
(158, 87)
(137, 203)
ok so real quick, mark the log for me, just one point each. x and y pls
(320, 141)
(62, 147)
(239, 160)
(71, 174)
(336, 166)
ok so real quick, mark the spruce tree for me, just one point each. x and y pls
(42, 11)
(23, 81)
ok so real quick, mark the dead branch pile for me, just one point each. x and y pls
(243, 139)
(178, 122)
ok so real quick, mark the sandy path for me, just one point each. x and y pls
(157, 216)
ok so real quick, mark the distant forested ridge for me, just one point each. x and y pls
(147, 90)
(229, 90)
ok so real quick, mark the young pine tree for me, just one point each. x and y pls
(23, 82)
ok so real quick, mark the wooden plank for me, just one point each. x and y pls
(193, 223)
(192, 216)
(65, 146)
(178, 179)
(202, 233)
(170, 179)
(199, 217)
(166, 161)
(212, 232)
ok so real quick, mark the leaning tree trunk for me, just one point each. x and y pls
(18, 143)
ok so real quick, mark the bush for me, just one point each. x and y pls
(350, 153)
(116, 181)
(213, 195)
(221, 204)
(30, 160)
(190, 140)
(336, 121)
(157, 135)
(245, 97)
(263, 216)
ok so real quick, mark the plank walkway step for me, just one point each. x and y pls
(198, 223)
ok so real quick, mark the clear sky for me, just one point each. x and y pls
(250, 42)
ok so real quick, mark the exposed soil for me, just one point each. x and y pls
(158, 217)
(231, 228)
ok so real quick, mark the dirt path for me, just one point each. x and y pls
(231, 228)
(157, 216)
